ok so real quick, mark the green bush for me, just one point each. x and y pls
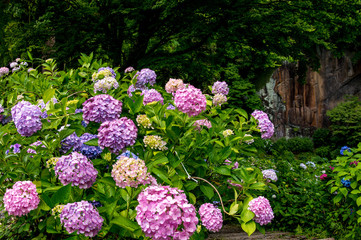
(300, 144)
(346, 122)
(324, 151)
(280, 146)
(321, 137)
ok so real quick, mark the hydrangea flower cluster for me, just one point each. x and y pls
(105, 84)
(190, 100)
(117, 135)
(133, 89)
(155, 142)
(312, 164)
(4, 71)
(170, 107)
(15, 147)
(173, 85)
(164, 213)
(152, 95)
(227, 133)
(81, 217)
(21, 198)
(129, 70)
(262, 209)
(229, 162)
(264, 124)
(26, 118)
(103, 73)
(143, 121)
(344, 148)
(128, 154)
(220, 87)
(346, 183)
(200, 123)
(71, 141)
(76, 169)
(57, 210)
(51, 163)
(130, 172)
(354, 163)
(219, 99)
(270, 174)
(302, 165)
(35, 144)
(211, 217)
(323, 176)
(101, 108)
(91, 152)
(145, 76)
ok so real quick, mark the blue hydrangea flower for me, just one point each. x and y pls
(344, 148)
(128, 154)
(95, 203)
(72, 141)
(91, 152)
(346, 183)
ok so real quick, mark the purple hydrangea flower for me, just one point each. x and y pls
(129, 70)
(117, 135)
(211, 217)
(71, 141)
(190, 100)
(170, 107)
(220, 87)
(15, 147)
(21, 198)
(145, 76)
(165, 213)
(152, 95)
(264, 124)
(262, 209)
(81, 217)
(76, 169)
(35, 144)
(91, 152)
(4, 71)
(26, 118)
(270, 174)
(101, 108)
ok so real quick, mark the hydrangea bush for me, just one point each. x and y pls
(90, 171)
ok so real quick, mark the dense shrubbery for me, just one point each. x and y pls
(112, 152)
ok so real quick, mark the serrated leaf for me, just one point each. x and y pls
(161, 175)
(207, 191)
(62, 195)
(223, 170)
(125, 223)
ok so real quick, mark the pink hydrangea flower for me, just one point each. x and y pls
(200, 123)
(152, 95)
(117, 135)
(173, 85)
(211, 217)
(81, 217)
(130, 172)
(101, 108)
(76, 169)
(165, 213)
(190, 100)
(229, 162)
(323, 176)
(21, 199)
(264, 124)
(262, 209)
(4, 71)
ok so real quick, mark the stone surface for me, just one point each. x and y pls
(298, 109)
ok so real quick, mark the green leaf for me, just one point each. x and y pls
(223, 170)
(174, 161)
(234, 208)
(62, 195)
(247, 215)
(161, 175)
(249, 227)
(343, 191)
(192, 198)
(48, 94)
(92, 142)
(125, 223)
(138, 104)
(333, 189)
(258, 186)
(337, 198)
(208, 191)
(358, 201)
(82, 74)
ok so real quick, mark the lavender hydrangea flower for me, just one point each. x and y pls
(81, 217)
(220, 87)
(26, 118)
(262, 209)
(170, 107)
(35, 144)
(21, 198)
(4, 71)
(105, 84)
(13, 64)
(117, 135)
(190, 100)
(130, 172)
(71, 141)
(15, 147)
(219, 99)
(129, 70)
(145, 76)
(91, 152)
(101, 108)
(165, 213)
(211, 217)
(264, 124)
(152, 95)
(75, 169)
(270, 174)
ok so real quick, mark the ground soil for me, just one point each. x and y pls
(236, 233)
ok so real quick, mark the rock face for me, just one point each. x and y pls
(298, 109)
